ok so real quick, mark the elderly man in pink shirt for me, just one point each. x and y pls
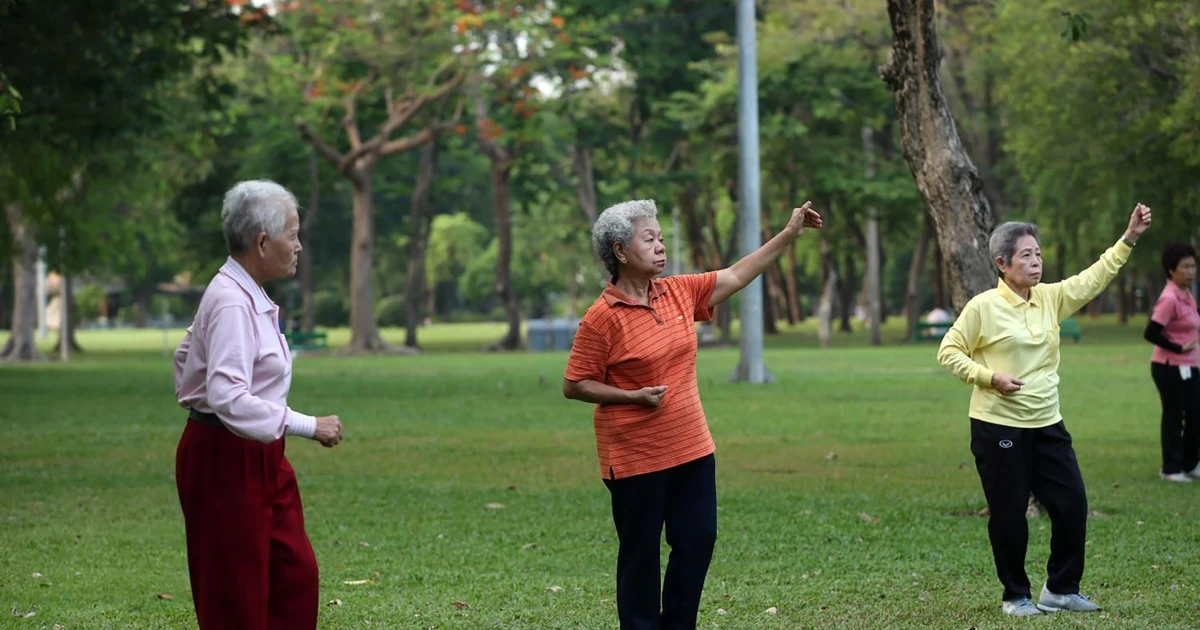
(1173, 329)
(250, 561)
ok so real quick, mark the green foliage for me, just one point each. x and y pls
(1077, 26)
(88, 300)
(1094, 123)
(332, 308)
(455, 241)
(390, 311)
(10, 102)
(114, 96)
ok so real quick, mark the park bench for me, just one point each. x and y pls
(932, 331)
(301, 341)
(1070, 328)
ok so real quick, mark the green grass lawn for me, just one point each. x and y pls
(846, 491)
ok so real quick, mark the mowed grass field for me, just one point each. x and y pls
(467, 494)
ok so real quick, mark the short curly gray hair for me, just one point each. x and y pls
(1003, 243)
(615, 225)
(252, 207)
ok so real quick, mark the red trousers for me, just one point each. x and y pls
(251, 564)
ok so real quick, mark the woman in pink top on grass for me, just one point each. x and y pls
(1174, 328)
(250, 562)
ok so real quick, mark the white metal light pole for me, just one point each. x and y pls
(750, 367)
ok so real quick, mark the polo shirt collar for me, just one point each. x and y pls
(1012, 296)
(235, 271)
(1180, 292)
(615, 296)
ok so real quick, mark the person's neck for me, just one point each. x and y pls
(636, 287)
(251, 269)
(1019, 290)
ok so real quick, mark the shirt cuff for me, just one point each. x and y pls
(983, 377)
(300, 425)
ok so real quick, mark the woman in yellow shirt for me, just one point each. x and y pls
(1005, 343)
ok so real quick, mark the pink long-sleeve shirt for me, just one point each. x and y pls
(234, 361)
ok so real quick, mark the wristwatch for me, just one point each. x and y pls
(1125, 239)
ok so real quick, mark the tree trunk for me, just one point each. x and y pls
(585, 180)
(358, 166)
(795, 310)
(502, 203)
(573, 293)
(874, 288)
(939, 276)
(725, 324)
(770, 326)
(847, 291)
(691, 226)
(726, 255)
(364, 332)
(1060, 263)
(1123, 298)
(825, 310)
(883, 261)
(994, 146)
(418, 244)
(916, 272)
(795, 313)
(770, 289)
(21, 345)
(944, 173)
(68, 323)
(141, 305)
(307, 292)
(635, 136)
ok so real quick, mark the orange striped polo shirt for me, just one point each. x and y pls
(628, 345)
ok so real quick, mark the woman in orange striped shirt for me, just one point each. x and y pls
(634, 357)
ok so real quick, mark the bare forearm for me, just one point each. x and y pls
(597, 393)
(741, 273)
(751, 266)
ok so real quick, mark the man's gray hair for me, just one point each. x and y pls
(1003, 243)
(252, 207)
(615, 225)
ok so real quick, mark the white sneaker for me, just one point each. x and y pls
(1177, 477)
(1053, 602)
(1194, 473)
(1022, 607)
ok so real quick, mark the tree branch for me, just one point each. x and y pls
(409, 142)
(422, 137)
(326, 151)
(400, 114)
(350, 104)
(493, 151)
(405, 111)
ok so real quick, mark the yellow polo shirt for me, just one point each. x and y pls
(998, 331)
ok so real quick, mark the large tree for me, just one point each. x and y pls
(85, 85)
(526, 49)
(944, 173)
(381, 65)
